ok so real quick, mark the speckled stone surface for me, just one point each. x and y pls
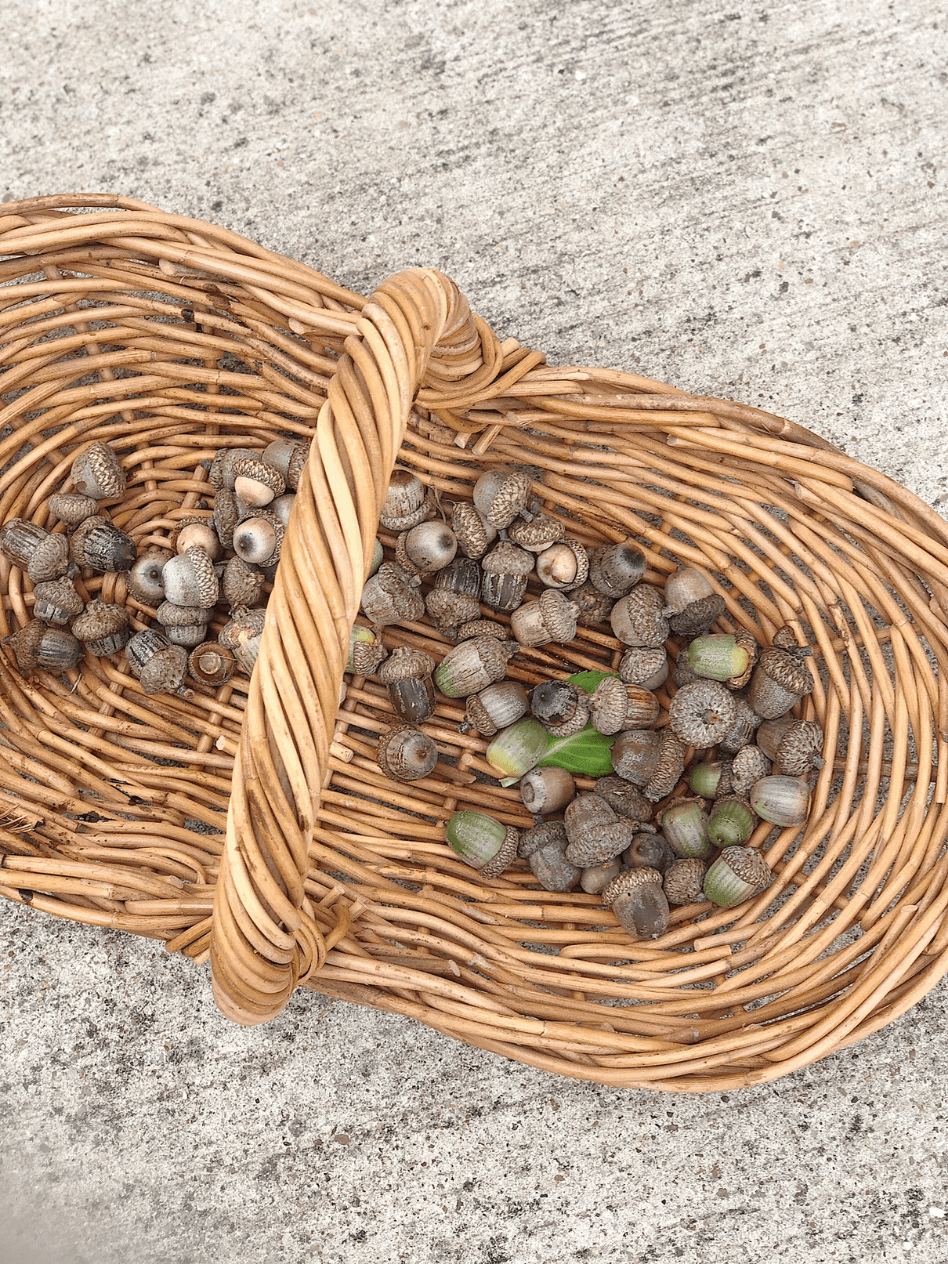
(747, 201)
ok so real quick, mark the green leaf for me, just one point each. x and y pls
(588, 680)
(586, 752)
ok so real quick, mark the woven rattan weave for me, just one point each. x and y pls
(251, 824)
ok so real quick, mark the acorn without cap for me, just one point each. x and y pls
(545, 790)
(405, 753)
(638, 902)
(563, 565)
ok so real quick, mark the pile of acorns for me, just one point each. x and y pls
(730, 691)
(227, 556)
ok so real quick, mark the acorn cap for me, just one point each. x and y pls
(629, 881)
(639, 619)
(671, 764)
(625, 799)
(558, 614)
(25, 644)
(425, 511)
(483, 627)
(698, 616)
(50, 559)
(747, 767)
(241, 584)
(640, 663)
(71, 508)
(221, 473)
(406, 663)
(226, 516)
(243, 625)
(742, 729)
(594, 844)
(547, 834)
(786, 669)
(594, 606)
(449, 609)
(296, 465)
(56, 600)
(474, 535)
(250, 470)
(99, 621)
(96, 473)
(173, 616)
(701, 713)
(504, 857)
(211, 663)
(506, 558)
(389, 597)
(684, 881)
(536, 534)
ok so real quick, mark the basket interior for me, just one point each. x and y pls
(112, 803)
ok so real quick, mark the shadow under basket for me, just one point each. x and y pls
(250, 824)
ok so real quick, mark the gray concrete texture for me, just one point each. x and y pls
(744, 199)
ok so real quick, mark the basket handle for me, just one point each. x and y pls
(417, 327)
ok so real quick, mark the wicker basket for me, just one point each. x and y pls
(251, 824)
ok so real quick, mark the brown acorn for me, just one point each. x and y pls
(455, 598)
(536, 534)
(221, 473)
(183, 625)
(426, 548)
(71, 509)
(668, 770)
(406, 673)
(595, 878)
(103, 547)
(545, 850)
(625, 799)
(595, 832)
(563, 565)
(795, 746)
(145, 579)
(615, 706)
(243, 635)
(500, 494)
(546, 790)
(747, 767)
(644, 665)
(405, 753)
(684, 881)
(259, 539)
(289, 456)
(639, 619)
(158, 665)
(96, 473)
(56, 601)
(617, 568)
(390, 597)
(474, 535)
(482, 627)
(255, 482)
(551, 618)
(742, 729)
(241, 584)
(594, 606)
(701, 713)
(211, 663)
(505, 571)
(779, 680)
(103, 629)
(190, 579)
(19, 540)
(404, 497)
(198, 532)
(638, 902)
(560, 706)
(38, 647)
(649, 851)
(635, 755)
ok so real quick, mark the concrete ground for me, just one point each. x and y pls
(747, 200)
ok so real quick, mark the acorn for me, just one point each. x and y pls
(190, 580)
(563, 565)
(71, 508)
(643, 665)
(255, 482)
(544, 847)
(495, 708)
(595, 832)
(211, 663)
(405, 753)
(594, 606)
(536, 534)
(595, 878)
(56, 601)
(426, 548)
(617, 568)
(781, 800)
(473, 665)
(710, 778)
(730, 822)
(158, 665)
(779, 680)
(625, 799)
(377, 552)
(282, 506)
(450, 609)
(653, 761)
(682, 673)
(474, 535)
(698, 618)
(38, 647)
(615, 706)
(482, 842)
(389, 597)
(366, 651)
(718, 657)
(551, 618)
(96, 473)
(517, 749)
(560, 706)
(103, 629)
(649, 851)
(748, 765)
(226, 516)
(500, 494)
(405, 497)
(505, 571)
(241, 584)
(638, 618)
(221, 473)
(462, 577)
(546, 790)
(42, 554)
(795, 746)
(406, 674)
(692, 604)
(701, 713)
(685, 825)
(638, 902)
(183, 625)
(684, 881)
(742, 729)
(103, 547)
(289, 456)
(145, 580)
(258, 539)
(736, 875)
(243, 635)
(198, 532)
(482, 627)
